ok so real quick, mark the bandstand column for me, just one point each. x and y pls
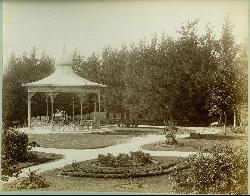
(29, 108)
(52, 96)
(95, 109)
(81, 113)
(73, 108)
(99, 102)
(81, 96)
(52, 111)
(95, 105)
(47, 108)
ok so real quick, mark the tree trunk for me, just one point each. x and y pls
(225, 122)
(241, 119)
(220, 119)
(234, 119)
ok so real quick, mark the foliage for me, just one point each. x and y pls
(15, 146)
(170, 133)
(20, 70)
(221, 171)
(14, 150)
(95, 171)
(239, 129)
(190, 79)
(33, 181)
(137, 158)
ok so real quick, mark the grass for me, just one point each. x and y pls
(158, 184)
(38, 158)
(145, 130)
(194, 145)
(76, 140)
(154, 184)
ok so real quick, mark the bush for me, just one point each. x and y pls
(221, 171)
(241, 129)
(14, 151)
(15, 146)
(140, 158)
(170, 132)
(137, 158)
(33, 181)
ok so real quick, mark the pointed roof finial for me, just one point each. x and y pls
(65, 59)
(64, 48)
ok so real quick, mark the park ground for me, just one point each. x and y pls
(153, 184)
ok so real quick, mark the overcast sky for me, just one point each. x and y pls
(89, 26)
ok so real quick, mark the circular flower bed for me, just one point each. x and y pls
(138, 164)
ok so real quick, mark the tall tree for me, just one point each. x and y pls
(223, 96)
(241, 88)
(20, 70)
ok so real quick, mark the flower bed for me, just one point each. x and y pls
(91, 168)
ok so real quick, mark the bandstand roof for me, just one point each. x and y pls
(65, 77)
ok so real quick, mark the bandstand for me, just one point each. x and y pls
(63, 80)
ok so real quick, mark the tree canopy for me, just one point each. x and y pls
(192, 79)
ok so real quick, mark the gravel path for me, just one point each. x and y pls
(77, 155)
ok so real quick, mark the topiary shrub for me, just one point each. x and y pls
(170, 132)
(223, 170)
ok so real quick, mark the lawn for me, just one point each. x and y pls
(154, 184)
(76, 140)
(194, 145)
(157, 184)
(151, 130)
(38, 158)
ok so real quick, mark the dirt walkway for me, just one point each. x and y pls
(71, 155)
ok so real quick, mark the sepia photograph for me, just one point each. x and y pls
(125, 97)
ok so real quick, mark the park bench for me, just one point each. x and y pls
(214, 124)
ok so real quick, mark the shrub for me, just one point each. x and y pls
(137, 158)
(240, 129)
(14, 150)
(140, 158)
(105, 160)
(33, 181)
(170, 133)
(222, 170)
(15, 146)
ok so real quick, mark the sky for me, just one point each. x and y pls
(89, 26)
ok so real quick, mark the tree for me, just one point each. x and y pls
(240, 87)
(21, 70)
(112, 74)
(222, 95)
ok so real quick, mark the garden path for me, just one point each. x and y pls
(71, 155)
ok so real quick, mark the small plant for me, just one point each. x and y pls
(33, 144)
(170, 132)
(240, 129)
(33, 181)
(75, 165)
